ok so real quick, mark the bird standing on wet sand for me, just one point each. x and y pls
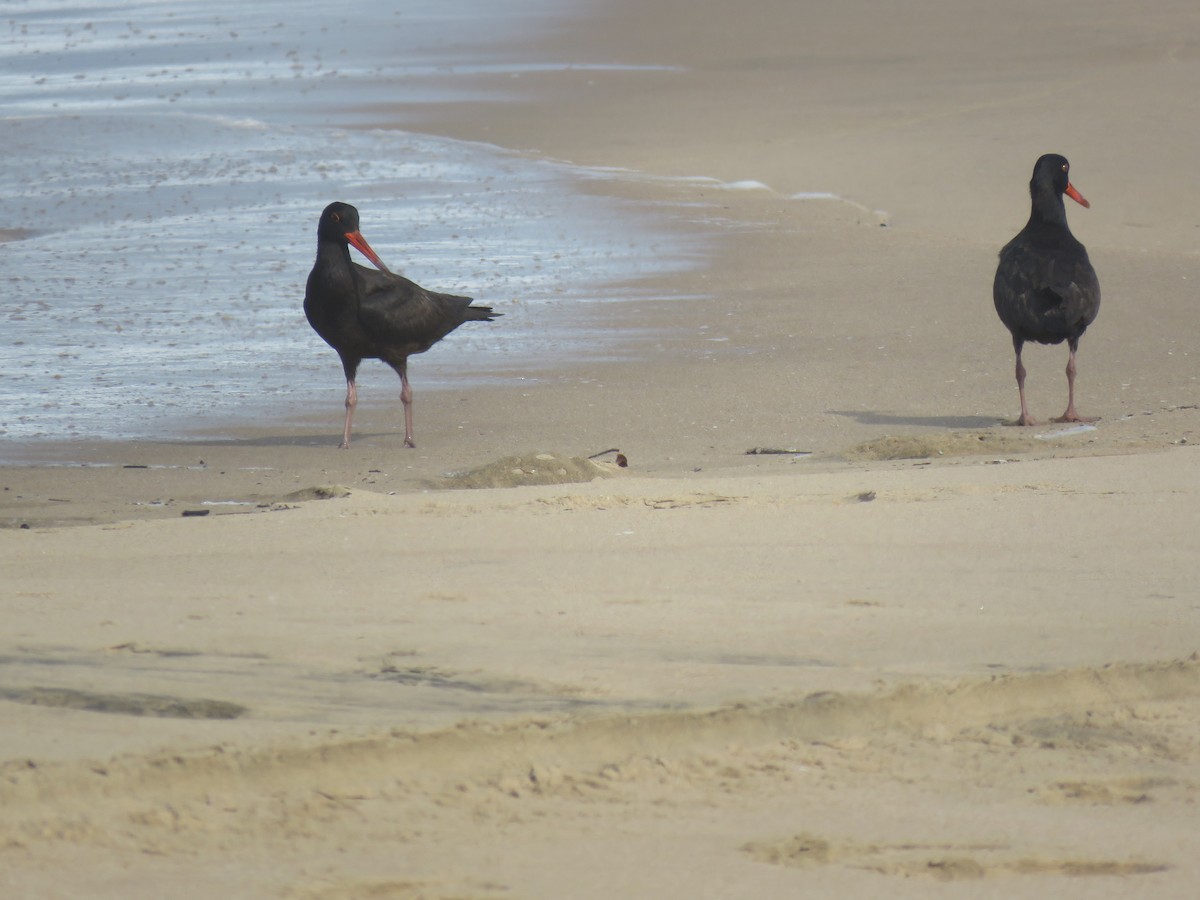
(365, 314)
(1046, 289)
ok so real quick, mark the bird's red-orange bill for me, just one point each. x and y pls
(1071, 192)
(361, 245)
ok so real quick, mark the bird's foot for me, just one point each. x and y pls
(344, 445)
(1023, 421)
(408, 442)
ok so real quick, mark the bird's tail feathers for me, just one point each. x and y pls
(481, 314)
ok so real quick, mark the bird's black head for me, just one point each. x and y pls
(338, 220)
(1051, 176)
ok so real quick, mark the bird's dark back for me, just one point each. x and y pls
(1045, 288)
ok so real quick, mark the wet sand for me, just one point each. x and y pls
(918, 653)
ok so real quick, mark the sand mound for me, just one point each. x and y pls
(318, 492)
(927, 446)
(530, 468)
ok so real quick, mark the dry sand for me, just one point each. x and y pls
(936, 656)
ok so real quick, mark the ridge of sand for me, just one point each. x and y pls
(188, 806)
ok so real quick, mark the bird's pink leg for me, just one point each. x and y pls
(1070, 415)
(351, 402)
(406, 398)
(1025, 419)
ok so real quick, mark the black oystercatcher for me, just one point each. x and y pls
(1046, 289)
(364, 314)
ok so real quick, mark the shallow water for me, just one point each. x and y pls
(165, 166)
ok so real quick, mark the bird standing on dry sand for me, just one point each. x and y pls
(1046, 289)
(366, 314)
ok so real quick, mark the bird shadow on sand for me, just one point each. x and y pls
(324, 439)
(870, 417)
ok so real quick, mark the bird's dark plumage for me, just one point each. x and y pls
(367, 314)
(1045, 288)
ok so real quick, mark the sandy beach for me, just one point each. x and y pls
(837, 630)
